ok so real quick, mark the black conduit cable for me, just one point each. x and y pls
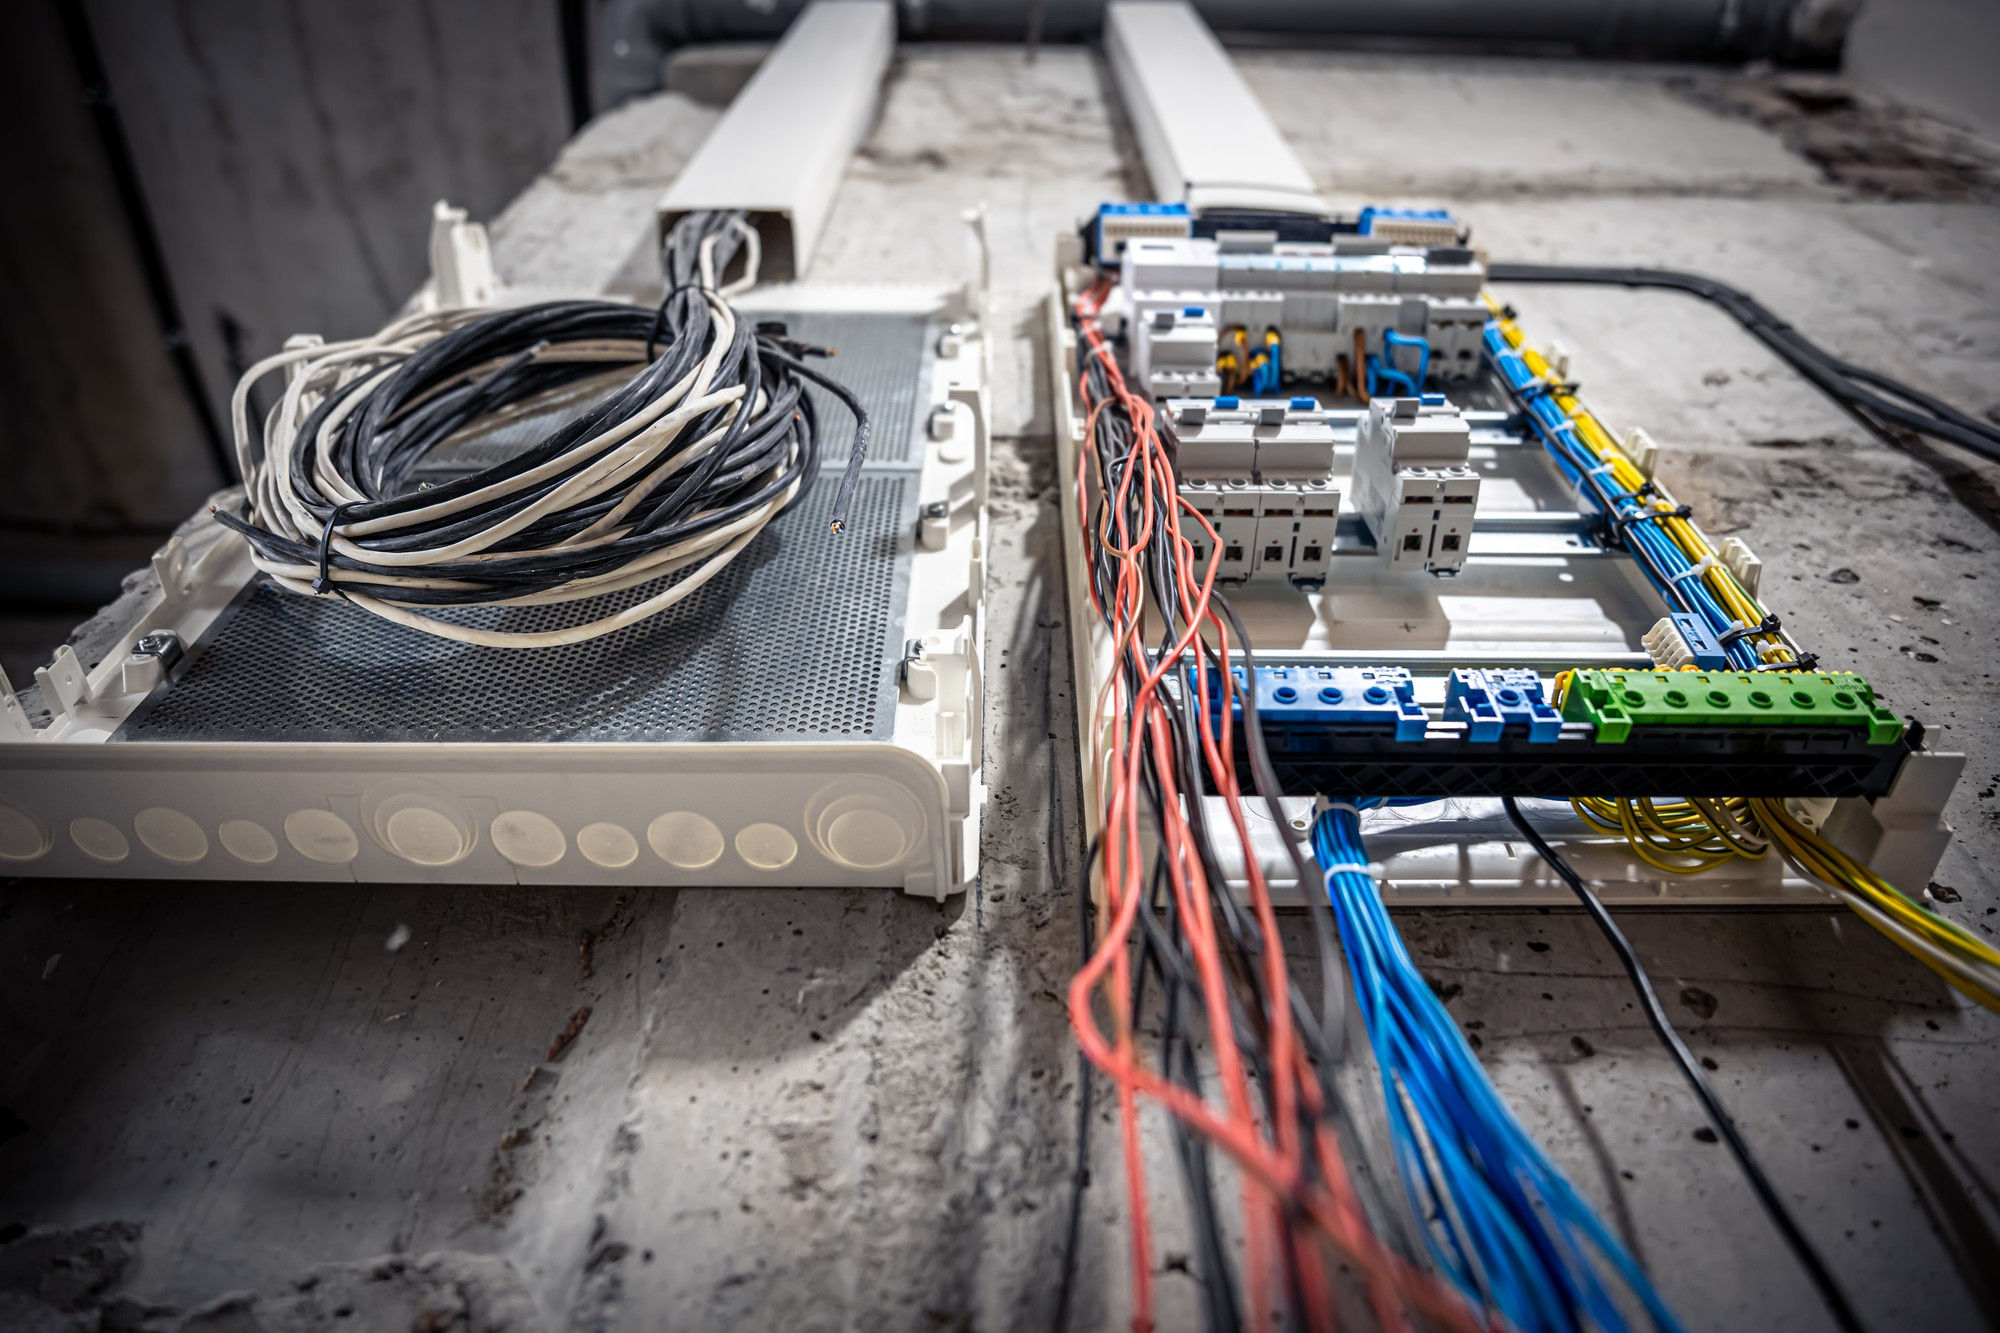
(1874, 397)
(1656, 1014)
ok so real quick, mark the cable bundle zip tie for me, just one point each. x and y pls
(1695, 570)
(1739, 630)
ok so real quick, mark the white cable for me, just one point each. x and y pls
(598, 466)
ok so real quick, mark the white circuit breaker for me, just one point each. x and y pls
(1257, 470)
(1413, 484)
(1175, 353)
(1415, 310)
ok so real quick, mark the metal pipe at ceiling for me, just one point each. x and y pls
(640, 33)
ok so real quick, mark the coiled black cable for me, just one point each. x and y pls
(708, 436)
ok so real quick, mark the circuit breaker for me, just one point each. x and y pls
(1258, 471)
(1413, 484)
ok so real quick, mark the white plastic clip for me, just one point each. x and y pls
(1743, 563)
(170, 567)
(64, 683)
(461, 260)
(14, 724)
(1642, 449)
(1349, 867)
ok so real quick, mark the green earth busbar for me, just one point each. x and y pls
(1616, 701)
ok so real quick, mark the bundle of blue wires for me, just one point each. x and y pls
(1666, 566)
(1500, 1221)
(1269, 376)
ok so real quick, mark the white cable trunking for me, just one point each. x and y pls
(781, 148)
(1205, 137)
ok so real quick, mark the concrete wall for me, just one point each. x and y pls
(288, 154)
(1935, 54)
(93, 425)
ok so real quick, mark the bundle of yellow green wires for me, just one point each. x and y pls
(1967, 963)
(1686, 837)
(1684, 533)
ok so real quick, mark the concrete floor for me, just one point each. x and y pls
(828, 1110)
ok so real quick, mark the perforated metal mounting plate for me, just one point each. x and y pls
(797, 640)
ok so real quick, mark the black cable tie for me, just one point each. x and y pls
(320, 584)
(1647, 489)
(1729, 636)
(1804, 662)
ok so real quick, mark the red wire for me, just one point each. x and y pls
(1270, 1151)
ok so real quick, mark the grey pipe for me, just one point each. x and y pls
(640, 33)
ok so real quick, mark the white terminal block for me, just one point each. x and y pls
(1412, 483)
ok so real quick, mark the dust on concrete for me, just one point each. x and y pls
(66, 1279)
(570, 1032)
(1873, 146)
(615, 923)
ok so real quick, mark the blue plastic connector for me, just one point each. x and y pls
(1489, 702)
(1226, 403)
(1701, 641)
(1304, 404)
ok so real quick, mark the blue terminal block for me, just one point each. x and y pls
(1489, 702)
(1303, 697)
(1701, 642)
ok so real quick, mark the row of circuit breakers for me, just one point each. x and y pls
(1396, 302)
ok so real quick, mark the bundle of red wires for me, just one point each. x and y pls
(1269, 1113)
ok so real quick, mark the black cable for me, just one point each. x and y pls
(1656, 1014)
(372, 432)
(1876, 399)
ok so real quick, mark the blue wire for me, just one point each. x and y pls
(1504, 1225)
(1656, 554)
(1391, 340)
